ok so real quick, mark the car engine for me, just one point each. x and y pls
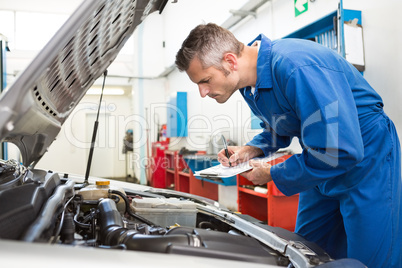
(46, 207)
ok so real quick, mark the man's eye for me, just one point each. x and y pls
(205, 81)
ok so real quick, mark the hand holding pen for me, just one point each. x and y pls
(237, 154)
(225, 147)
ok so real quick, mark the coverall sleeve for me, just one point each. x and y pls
(330, 131)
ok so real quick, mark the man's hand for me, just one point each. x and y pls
(238, 154)
(260, 174)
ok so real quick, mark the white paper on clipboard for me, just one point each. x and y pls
(220, 171)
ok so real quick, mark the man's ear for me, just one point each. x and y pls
(231, 60)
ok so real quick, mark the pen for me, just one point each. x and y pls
(225, 146)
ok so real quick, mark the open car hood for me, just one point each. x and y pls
(36, 105)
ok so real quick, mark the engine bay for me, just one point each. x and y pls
(45, 207)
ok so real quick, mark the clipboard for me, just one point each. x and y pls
(220, 171)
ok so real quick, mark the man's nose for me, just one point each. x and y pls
(203, 90)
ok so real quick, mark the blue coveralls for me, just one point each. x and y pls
(349, 172)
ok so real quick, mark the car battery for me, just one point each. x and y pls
(166, 211)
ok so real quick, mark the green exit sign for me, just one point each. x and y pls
(301, 6)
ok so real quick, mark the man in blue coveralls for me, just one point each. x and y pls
(349, 172)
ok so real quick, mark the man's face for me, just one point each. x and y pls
(212, 82)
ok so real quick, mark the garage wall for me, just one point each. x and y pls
(72, 145)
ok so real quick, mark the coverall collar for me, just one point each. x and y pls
(264, 74)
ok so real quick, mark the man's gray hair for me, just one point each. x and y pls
(208, 42)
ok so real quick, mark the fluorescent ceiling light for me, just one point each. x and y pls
(106, 91)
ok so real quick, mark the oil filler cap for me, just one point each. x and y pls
(102, 182)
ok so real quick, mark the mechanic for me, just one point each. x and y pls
(349, 172)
